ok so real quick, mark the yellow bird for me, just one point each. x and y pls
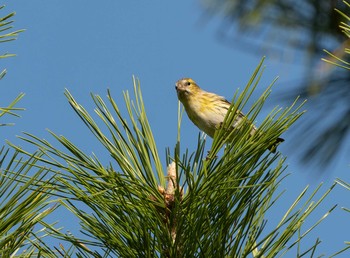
(207, 110)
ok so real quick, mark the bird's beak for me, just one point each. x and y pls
(177, 87)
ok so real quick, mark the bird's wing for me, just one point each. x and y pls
(226, 101)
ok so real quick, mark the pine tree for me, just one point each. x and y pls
(205, 205)
(23, 197)
(198, 204)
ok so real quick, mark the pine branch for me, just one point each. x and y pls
(211, 206)
(5, 25)
(23, 202)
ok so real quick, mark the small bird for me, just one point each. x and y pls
(207, 110)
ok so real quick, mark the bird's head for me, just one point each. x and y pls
(186, 88)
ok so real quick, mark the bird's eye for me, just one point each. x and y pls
(187, 83)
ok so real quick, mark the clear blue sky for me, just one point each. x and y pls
(89, 46)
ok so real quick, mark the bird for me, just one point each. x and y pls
(208, 110)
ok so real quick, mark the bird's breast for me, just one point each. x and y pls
(206, 117)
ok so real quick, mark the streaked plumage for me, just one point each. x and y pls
(207, 110)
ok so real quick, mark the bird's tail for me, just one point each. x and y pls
(273, 146)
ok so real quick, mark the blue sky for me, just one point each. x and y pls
(89, 46)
